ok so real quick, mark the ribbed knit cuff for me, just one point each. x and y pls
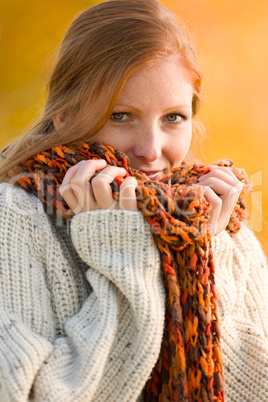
(109, 233)
(221, 244)
(118, 244)
(222, 247)
(115, 221)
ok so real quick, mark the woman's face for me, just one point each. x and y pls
(151, 121)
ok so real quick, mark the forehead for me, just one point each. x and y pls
(165, 82)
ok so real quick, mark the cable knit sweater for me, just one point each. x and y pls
(83, 303)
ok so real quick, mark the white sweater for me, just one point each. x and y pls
(83, 303)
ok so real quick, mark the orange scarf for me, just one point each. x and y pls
(189, 367)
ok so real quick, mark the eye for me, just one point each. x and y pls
(119, 116)
(175, 117)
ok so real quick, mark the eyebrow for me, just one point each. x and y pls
(183, 106)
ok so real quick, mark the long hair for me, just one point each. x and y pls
(102, 48)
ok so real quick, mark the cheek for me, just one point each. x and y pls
(114, 137)
(179, 149)
(101, 136)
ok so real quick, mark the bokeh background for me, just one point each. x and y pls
(231, 40)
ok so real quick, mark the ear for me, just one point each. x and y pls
(58, 121)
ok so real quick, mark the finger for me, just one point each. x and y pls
(93, 165)
(216, 205)
(81, 186)
(223, 169)
(127, 195)
(67, 193)
(228, 203)
(87, 170)
(75, 188)
(70, 192)
(101, 186)
(221, 173)
(222, 207)
(222, 187)
(79, 199)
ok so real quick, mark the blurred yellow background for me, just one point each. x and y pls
(231, 39)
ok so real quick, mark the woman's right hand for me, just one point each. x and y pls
(81, 195)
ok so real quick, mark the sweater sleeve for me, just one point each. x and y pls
(112, 342)
(242, 284)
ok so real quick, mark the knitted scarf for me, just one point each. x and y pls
(189, 367)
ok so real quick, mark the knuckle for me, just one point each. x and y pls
(91, 162)
(208, 191)
(101, 177)
(129, 182)
(61, 189)
(64, 188)
(239, 186)
(236, 189)
(226, 169)
(97, 180)
(75, 182)
(218, 202)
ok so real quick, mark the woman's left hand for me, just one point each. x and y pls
(222, 189)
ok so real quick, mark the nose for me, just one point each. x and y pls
(148, 146)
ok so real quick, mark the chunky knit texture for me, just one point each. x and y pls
(193, 256)
(190, 362)
(82, 310)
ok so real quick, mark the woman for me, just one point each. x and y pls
(83, 306)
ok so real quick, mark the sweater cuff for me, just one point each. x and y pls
(117, 225)
(109, 239)
(221, 244)
(222, 247)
